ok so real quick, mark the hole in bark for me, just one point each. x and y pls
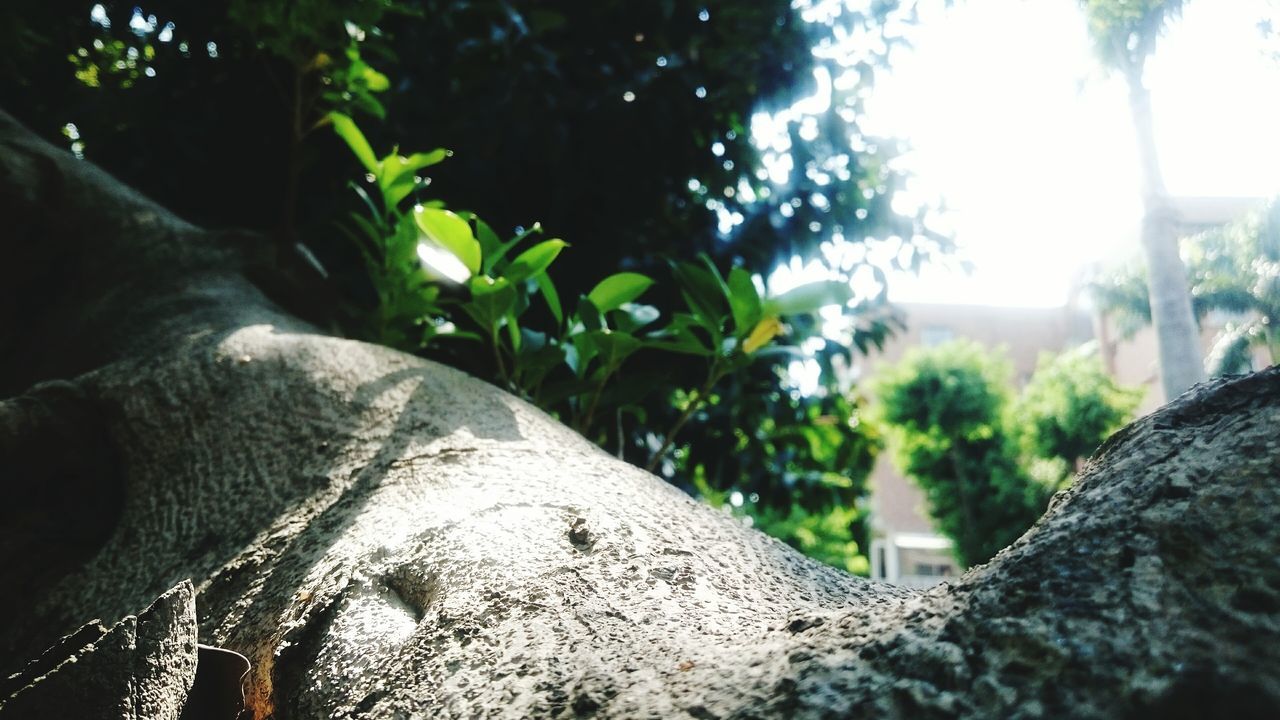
(370, 700)
(64, 493)
(799, 625)
(1174, 491)
(1253, 600)
(1203, 693)
(1018, 668)
(415, 590)
(1127, 557)
(218, 692)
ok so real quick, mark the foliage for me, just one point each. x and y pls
(413, 254)
(626, 128)
(946, 407)
(989, 463)
(1125, 31)
(1234, 270)
(1070, 406)
(799, 472)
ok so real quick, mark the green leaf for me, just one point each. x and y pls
(399, 172)
(679, 337)
(489, 242)
(374, 80)
(702, 291)
(715, 274)
(537, 358)
(581, 350)
(589, 314)
(534, 260)
(809, 298)
(368, 103)
(613, 291)
(397, 191)
(364, 197)
(450, 232)
(683, 343)
(348, 131)
(421, 161)
(744, 301)
(490, 301)
(633, 316)
(513, 331)
(552, 297)
(402, 246)
(483, 285)
(613, 347)
(492, 258)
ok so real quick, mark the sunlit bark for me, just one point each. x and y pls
(384, 537)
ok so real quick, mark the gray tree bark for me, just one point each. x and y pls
(384, 537)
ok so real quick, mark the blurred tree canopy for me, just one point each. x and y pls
(1235, 270)
(1069, 406)
(638, 132)
(987, 460)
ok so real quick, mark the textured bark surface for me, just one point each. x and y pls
(143, 668)
(384, 537)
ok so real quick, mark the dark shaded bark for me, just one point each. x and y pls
(143, 668)
(384, 537)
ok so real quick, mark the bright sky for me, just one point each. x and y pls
(1015, 126)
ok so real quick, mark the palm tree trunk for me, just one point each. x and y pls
(1181, 363)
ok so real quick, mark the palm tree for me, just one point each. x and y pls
(1125, 33)
(1233, 269)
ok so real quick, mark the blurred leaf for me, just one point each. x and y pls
(489, 242)
(677, 338)
(348, 131)
(702, 291)
(632, 316)
(534, 260)
(809, 298)
(372, 79)
(744, 301)
(397, 169)
(613, 291)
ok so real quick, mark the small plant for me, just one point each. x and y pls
(989, 460)
(440, 274)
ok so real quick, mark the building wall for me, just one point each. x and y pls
(898, 517)
(905, 549)
(1133, 360)
(897, 505)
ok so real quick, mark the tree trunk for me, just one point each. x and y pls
(384, 537)
(1177, 335)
